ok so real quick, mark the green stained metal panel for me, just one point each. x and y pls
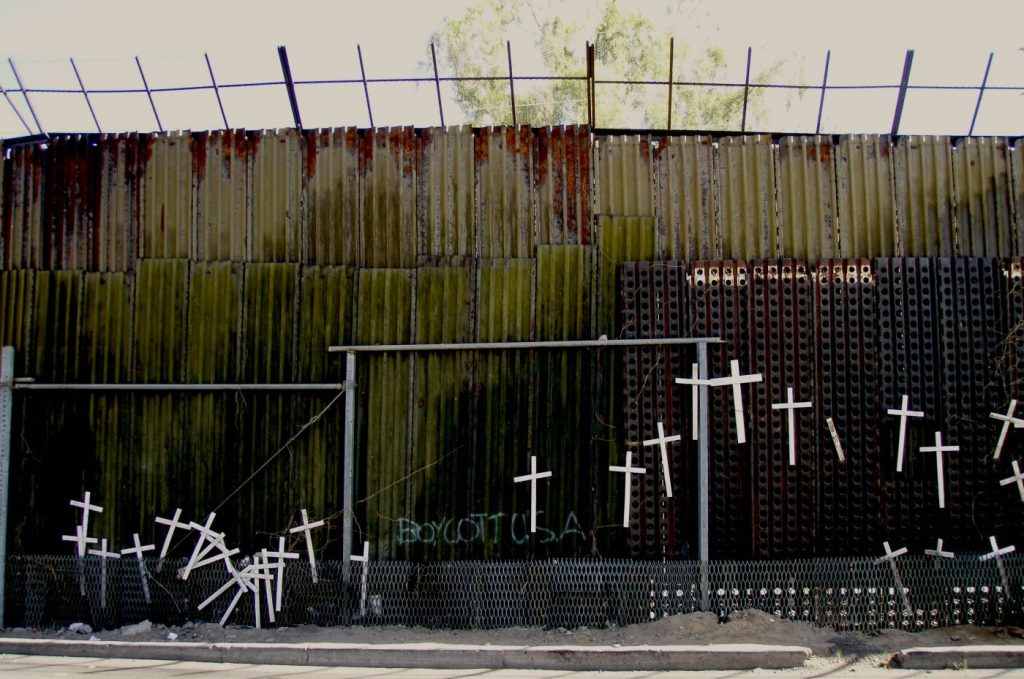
(269, 309)
(505, 300)
(685, 198)
(504, 163)
(924, 196)
(447, 192)
(809, 223)
(16, 295)
(107, 328)
(159, 324)
(167, 224)
(864, 196)
(562, 292)
(220, 176)
(56, 308)
(276, 170)
(332, 215)
(747, 209)
(389, 167)
(623, 239)
(625, 176)
(982, 183)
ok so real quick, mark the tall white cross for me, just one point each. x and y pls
(939, 449)
(104, 555)
(695, 383)
(216, 541)
(80, 539)
(260, 572)
(662, 442)
(998, 554)
(628, 470)
(280, 555)
(1007, 420)
(268, 585)
(204, 533)
(86, 509)
(307, 527)
(938, 552)
(171, 524)
(365, 560)
(137, 550)
(735, 379)
(791, 406)
(903, 412)
(532, 477)
(891, 556)
(1018, 478)
(835, 439)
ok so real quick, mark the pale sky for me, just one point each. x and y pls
(868, 40)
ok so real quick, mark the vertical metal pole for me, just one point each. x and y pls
(908, 61)
(366, 87)
(824, 84)
(350, 454)
(746, 92)
(981, 93)
(293, 100)
(6, 398)
(511, 82)
(590, 85)
(671, 63)
(437, 84)
(703, 465)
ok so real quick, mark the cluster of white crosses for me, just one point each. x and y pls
(267, 567)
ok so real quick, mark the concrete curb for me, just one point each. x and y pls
(430, 655)
(961, 657)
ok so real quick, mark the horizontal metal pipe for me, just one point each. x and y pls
(37, 386)
(504, 346)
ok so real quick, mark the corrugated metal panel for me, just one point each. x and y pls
(220, 173)
(54, 342)
(1017, 195)
(981, 178)
(70, 202)
(686, 194)
(625, 177)
(924, 196)
(23, 193)
(447, 197)
(159, 323)
(747, 211)
(504, 194)
(562, 185)
(167, 223)
(864, 193)
(622, 239)
(807, 198)
(276, 171)
(16, 294)
(388, 166)
(332, 197)
(115, 246)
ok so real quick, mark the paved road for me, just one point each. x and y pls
(40, 667)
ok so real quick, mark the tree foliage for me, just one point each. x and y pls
(629, 46)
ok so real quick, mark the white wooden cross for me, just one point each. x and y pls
(1018, 478)
(80, 539)
(204, 534)
(86, 508)
(104, 555)
(137, 550)
(216, 541)
(628, 470)
(791, 406)
(171, 524)
(307, 528)
(998, 554)
(903, 412)
(532, 477)
(695, 383)
(243, 580)
(735, 379)
(260, 572)
(280, 555)
(662, 442)
(268, 586)
(1007, 420)
(938, 552)
(939, 449)
(891, 556)
(365, 560)
(835, 439)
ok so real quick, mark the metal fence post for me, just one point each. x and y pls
(6, 398)
(703, 465)
(350, 454)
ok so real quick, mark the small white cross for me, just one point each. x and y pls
(695, 383)
(937, 552)
(904, 412)
(791, 406)
(80, 539)
(307, 527)
(86, 508)
(628, 470)
(835, 439)
(171, 525)
(996, 550)
(268, 584)
(280, 555)
(662, 442)
(104, 555)
(735, 379)
(532, 477)
(260, 571)
(204, 533)
(137, 550)
(891, 556)
(1018, 478)
(1007, 420)
(939, 449)
(365, 560)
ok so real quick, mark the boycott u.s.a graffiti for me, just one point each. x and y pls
(484, 528)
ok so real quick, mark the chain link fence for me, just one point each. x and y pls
(841, 593)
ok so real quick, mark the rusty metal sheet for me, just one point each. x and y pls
(115, 244)
(23, 192)
(625, 178)
(923, 173)
(16, 319)
(561, 177)
(981, 178)
(685, 196)
(276, 170)
(1017, 196)
(167, 223)
(70, 203)
(447, 198)
(864, 196)
(331, 197)
(747, 207)
(808, 219)
(505, 209)
(388, 159)
(220, 175)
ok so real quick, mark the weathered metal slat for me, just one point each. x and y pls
(16, 319)
(866, 204)
(222, 210)
(981, 181)
(505, 222)
(808, 218)
(446, 193)
(167, 222)
(926, 220)
(562, 185)
(275, 170)
(747, 208)
(52, 354)
(388, 197)
(115, 244)
(625, 179)
(686, 192)
(1016, 167)
(330, 198)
